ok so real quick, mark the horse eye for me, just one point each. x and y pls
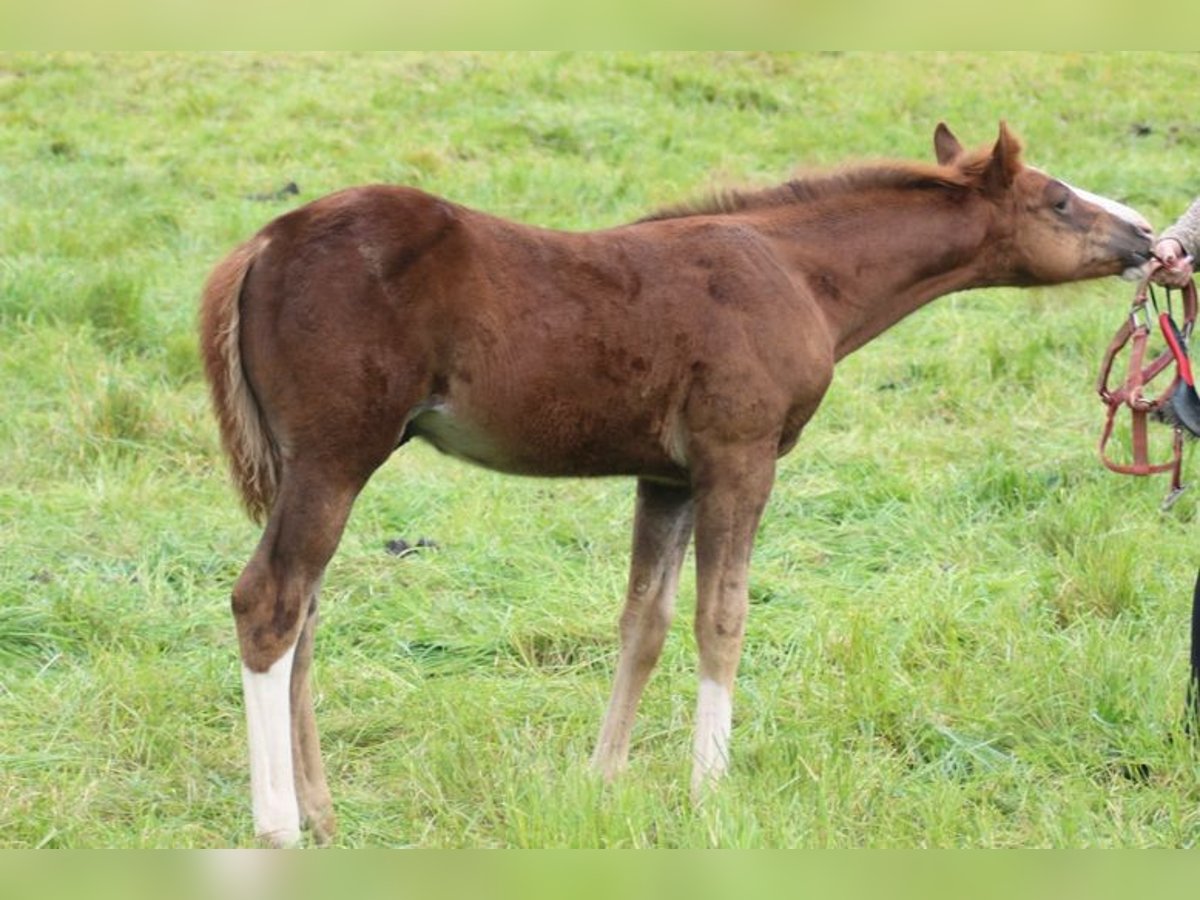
(1062, 204)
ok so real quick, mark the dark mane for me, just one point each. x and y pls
(890, 175)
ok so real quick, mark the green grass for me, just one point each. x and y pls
(964, 631)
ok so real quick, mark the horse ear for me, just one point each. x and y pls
(945, 145)
(1005, 162)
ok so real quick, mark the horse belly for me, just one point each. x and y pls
(458, 437)
(555, 442)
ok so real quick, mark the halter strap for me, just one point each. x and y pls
(1135, 331)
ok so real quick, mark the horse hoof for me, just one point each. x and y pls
(323, 828)
(284, 839)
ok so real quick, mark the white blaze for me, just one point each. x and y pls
(1120, 210)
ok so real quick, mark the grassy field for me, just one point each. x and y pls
(964, 631)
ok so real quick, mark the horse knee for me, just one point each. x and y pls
(647, 614)
(720, 626)
(719, 638)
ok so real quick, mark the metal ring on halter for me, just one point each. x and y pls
(1133, 316)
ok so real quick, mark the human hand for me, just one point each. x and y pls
(1176, 266)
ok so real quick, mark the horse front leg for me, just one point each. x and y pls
(734, 486)
(661, 530)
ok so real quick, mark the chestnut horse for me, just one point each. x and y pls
(687, 350)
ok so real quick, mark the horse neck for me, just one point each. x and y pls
(868, 260)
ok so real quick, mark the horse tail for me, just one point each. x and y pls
(253, 453)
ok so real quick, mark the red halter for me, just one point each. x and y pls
(1136, 331)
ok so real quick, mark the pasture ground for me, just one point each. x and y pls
(964, 632)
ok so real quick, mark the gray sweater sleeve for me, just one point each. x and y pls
(1187, 229)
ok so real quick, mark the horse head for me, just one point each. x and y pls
(1044, 230)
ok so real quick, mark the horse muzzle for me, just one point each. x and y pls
(1136, 265)
(1135, 250)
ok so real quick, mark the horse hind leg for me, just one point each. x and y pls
(274, 612)
(662, 529)
(312, 788)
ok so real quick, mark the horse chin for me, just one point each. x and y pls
(1136, 273)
